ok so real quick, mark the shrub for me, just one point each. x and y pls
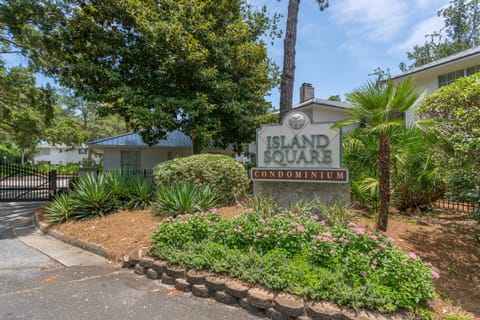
(219, 172)
(140, 193)
(300, 254)
(180, 198)
(60, 209)
(92, 197)
(336, 214)
(118, 184)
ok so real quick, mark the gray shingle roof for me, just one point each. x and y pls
(174, 139)
(458, 56)
(328, 103)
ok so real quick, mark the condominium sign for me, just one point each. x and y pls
(298, 149)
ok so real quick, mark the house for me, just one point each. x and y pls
(432, 76)
(61, 154)
(128, 151)
(321, 110)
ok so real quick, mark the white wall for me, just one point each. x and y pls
(58, 155)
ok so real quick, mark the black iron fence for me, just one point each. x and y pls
(25, 183)
(457, 205)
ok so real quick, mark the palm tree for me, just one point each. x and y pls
(289, 43)
(377, 109)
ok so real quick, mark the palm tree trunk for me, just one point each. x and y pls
(383, 163)
(288, 72)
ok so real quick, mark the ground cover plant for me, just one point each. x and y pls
(302, 255)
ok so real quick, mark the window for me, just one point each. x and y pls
(473, 70)
(43, 152)
(130, 160)
(82, 151)
(446, 79)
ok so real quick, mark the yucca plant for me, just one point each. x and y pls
(119, 185)
(141, 193)
(92, 197)
(60, 209)
(183, 198)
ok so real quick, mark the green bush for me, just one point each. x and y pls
(181, 198)
(92, 197)
(219, 172)
(300, 254)
(60, 209)
(140, 193)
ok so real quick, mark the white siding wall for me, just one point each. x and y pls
(56, 157)
(111, 159)
(326, 115)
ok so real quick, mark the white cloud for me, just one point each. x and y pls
(373, 20)
(417, 35)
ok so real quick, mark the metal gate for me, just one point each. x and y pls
(24, 183)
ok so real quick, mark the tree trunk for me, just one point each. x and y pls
(383, 163)
(32, 154)
(197, 146)
(288, 72)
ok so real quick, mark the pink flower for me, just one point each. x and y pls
(292, 231)
(360, 230)
(327, 234)
(373, 266)
(315, 217)
(390, 239)
(258, 234)
(412, 255)
(364, 274)
(265, 236)
(352, 224)
(261, 220)
(214, 210)
(332, 251)
(382, 245)
(301, 229)
(374, 238)
(434, 274)
(322, 223)
(281, 232)
(293, 224)
(374, 261)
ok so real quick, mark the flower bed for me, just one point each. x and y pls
(300, 255)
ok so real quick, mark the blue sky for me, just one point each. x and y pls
(338, 48)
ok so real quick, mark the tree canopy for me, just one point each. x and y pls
(198, 66)
(460, 32)
(457, 105)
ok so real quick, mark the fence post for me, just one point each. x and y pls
(52, 182)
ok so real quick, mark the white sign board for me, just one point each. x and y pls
(298, 143)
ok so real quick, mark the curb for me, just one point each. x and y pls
(255, 299)
(91, 247)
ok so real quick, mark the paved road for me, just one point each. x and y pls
(34, 285)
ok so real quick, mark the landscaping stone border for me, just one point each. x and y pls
(92, 247)
(255, 299)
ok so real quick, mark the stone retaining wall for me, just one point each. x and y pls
(254, 299)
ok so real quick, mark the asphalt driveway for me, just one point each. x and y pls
(35, 284)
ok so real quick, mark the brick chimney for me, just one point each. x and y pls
(307, 92)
